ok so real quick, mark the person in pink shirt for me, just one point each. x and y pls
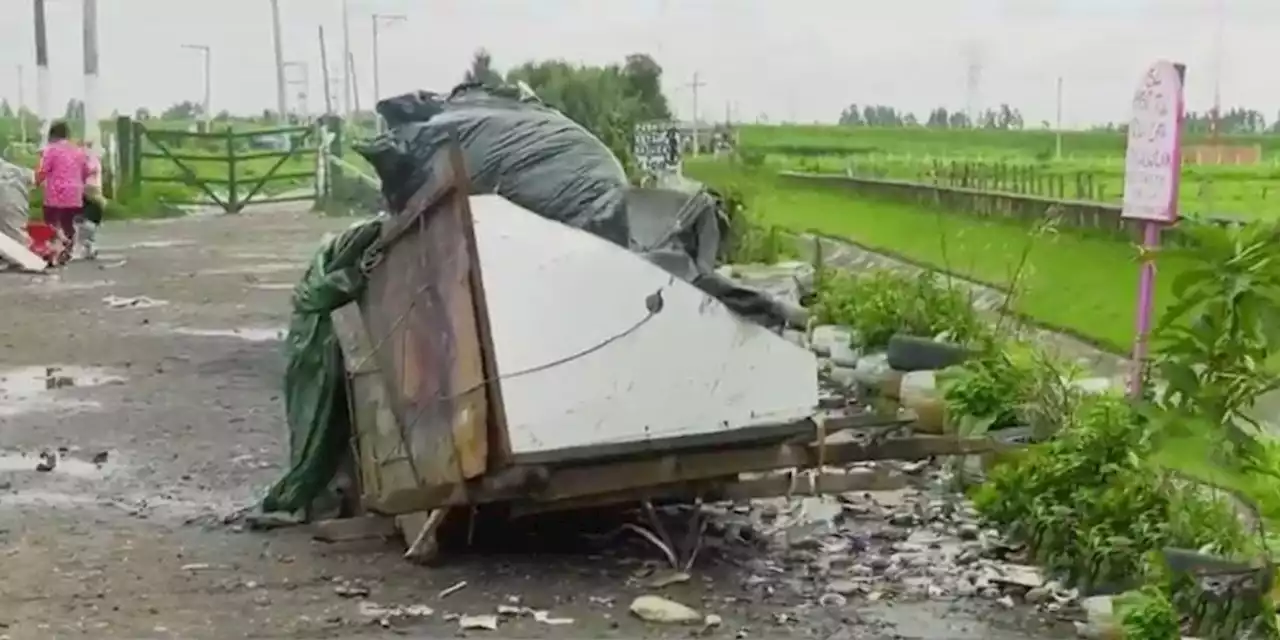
(63, 171)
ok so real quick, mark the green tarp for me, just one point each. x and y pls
(315, 378)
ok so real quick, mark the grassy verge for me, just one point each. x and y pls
(1084, 286)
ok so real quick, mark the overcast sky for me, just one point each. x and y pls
(787, 60)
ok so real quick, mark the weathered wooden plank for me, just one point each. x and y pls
(420, 312)
(359, 528)
(546, 485)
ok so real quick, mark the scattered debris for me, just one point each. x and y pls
(137, 302)
(545, 618)
(385, 615)
(652, 608)
(667, 579)
(454, 589)
(48, 461)
(351, 590)
(485, 621)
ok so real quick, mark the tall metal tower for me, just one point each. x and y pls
(973, 81)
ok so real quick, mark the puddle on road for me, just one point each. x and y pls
(38, 388)
(269, 267)
(251, 334)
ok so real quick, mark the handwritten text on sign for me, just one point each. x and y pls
(1152, 162)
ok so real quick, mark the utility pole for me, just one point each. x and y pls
(282, 104)
(22, 103)
(378, 18)
(303, 83)
(1219, 43)
(1058, 127)
(92, 128)
(208, 82)
(43, 112)
(695, 85)
(355, 86)
(324, 74)
(347, 87)
(973, 81)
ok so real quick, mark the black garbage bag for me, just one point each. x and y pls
(538, 158)
(522, 150)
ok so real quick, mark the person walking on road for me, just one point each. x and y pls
(63, 172)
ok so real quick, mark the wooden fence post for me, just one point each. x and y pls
(135, 156)
(123, 180)
(233, 198)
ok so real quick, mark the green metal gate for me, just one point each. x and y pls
(229, 169)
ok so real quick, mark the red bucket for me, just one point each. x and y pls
(44, 241)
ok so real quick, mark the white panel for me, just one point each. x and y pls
(694, 368)
(13, 251)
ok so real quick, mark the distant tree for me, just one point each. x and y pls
(185, 110)
(642, 80)
(74, 110)
(142, 113)
(851, 116)
(938, 118)
(6, 111)
(959, 120)
(481, 70)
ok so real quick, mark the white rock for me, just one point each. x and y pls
(658, 609)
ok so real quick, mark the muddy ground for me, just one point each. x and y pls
(169, 417)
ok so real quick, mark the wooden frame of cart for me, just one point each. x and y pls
(501, 357)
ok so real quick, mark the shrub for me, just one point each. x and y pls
(879, 303)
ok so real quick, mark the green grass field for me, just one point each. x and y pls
(1092, 158)
(1082, 285)
(920, 141)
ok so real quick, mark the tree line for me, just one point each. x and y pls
(608, 100)
(1233, 121)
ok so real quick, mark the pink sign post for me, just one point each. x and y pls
(1152, 172)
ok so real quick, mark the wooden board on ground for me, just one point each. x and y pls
(15, 253)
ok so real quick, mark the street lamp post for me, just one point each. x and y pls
(376, 20)
(208, 83)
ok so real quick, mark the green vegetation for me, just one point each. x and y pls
(1120, 486)
(992, 144)
(881, 303)
(1082, 285)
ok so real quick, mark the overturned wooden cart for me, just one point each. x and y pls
(501, 357)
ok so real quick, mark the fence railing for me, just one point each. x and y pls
(1083, 215)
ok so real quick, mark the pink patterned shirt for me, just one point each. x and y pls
(62, 171)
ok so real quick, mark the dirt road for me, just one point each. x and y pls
(156, 371)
